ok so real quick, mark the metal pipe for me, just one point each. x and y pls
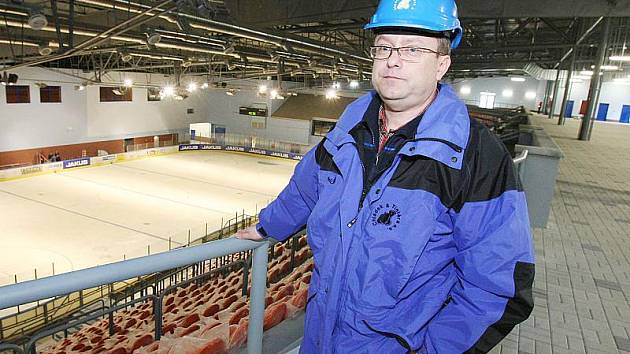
(599, 91)
(53, 6)
(15, 348)
(520, 158)
(162, 44)
(127, 39)
(593, 92)
(30, 291)
(257, 299)
(97, 39)
(567, 87)
(239, 31)
(554, 94)
(582, 38)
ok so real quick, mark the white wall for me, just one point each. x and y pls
(107, 120)
(223, 110)
(201, 129)
(498, 85)
(35, 124)
(80, 117)
(614, 93)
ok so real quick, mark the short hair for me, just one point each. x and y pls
(444, 46)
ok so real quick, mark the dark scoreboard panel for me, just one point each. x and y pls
(252, 111)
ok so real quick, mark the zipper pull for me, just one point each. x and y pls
(352, 222)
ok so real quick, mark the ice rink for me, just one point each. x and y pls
(96, 215)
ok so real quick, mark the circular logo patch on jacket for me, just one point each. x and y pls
(387, 215)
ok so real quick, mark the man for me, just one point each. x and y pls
(416, 219)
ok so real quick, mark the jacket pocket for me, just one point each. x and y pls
(403, 341)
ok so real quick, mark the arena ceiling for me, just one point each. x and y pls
(299, 40)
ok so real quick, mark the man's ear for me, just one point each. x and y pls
(444, 62)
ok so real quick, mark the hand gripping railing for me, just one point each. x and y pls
(33, 290)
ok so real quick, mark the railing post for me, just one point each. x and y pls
(294, 247)
(257, 299)
(111, 323)
(246, 275)
(157, 314)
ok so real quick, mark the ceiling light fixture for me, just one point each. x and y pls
(331, 94)
(153, 38)
(37, 20)
(44, 49)
(167, 91)
(229, 48)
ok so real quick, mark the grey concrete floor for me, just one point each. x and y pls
(582, 282)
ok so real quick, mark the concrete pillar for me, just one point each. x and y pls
(554, 93)
(567, 87)
(593, 92)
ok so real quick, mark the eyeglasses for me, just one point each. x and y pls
(411, 54)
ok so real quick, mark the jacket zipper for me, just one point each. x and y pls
(354, 220)
(457, 148)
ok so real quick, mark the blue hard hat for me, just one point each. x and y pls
(424, 15)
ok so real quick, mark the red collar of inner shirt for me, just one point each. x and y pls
(383, 131)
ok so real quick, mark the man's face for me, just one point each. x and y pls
(406, 84)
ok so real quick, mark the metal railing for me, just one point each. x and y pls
(519, 163)
(13, 295)
(47, 313)
(149, 145)
(251, 141)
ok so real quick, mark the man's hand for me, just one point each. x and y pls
(249, 233)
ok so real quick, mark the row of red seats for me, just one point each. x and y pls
(212, 318)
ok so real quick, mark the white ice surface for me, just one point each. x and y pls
(97, 215)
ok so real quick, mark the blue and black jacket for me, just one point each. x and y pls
(435, 256)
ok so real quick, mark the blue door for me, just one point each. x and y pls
(625, 114)
(602, 111)
(569, 109)
(193, 133)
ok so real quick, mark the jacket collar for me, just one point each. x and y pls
(445, 123)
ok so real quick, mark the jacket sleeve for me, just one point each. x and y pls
(288, 213)
(494, 263)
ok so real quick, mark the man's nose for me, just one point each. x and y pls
(394, 59)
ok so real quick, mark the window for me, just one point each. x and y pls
(18, 94)
(50, 94)
(153, 94)
(258, 124)
(115, 94)
(321, 127)
(487, 100)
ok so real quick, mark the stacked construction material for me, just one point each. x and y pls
(208, 318)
